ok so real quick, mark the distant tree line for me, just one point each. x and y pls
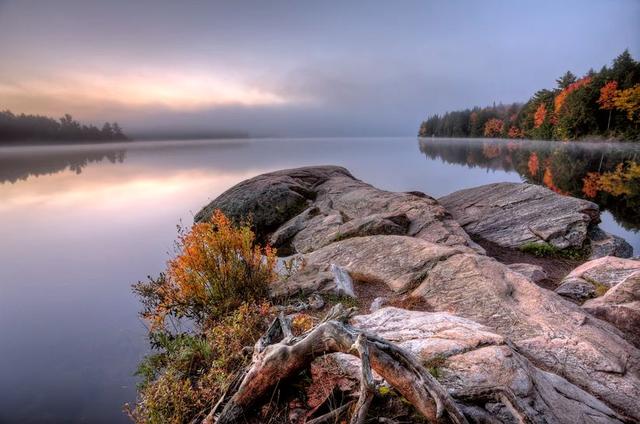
(36, 128)
(601, 104)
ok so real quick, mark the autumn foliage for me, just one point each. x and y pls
(533, 164)
(603, 104)
(218, 266)
(493, 127)
(624, 180)
(216, 286)
(539, 116)
(515, 132)
(608, 94)
(562, 96)
(628, 101)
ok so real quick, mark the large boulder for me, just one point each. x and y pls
(271, 199)
(488, 378)
(306, 208)
(513, 215)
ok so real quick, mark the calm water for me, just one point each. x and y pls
(78, 225)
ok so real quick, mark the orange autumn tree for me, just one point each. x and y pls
(493, 127)
(562, 96)
(539, 115)
(608, 94)
(218, 267)
(628, 101)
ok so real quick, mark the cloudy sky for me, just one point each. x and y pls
(295, 68)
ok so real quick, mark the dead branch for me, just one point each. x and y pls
(275, 360)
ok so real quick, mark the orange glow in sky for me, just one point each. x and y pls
(171, 90)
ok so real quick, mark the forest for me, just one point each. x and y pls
(36, 129)
(602, 104)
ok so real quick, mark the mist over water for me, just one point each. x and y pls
(81, 223)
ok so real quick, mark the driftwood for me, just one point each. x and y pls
(279, 355)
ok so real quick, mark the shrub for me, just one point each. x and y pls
(189, 372)
(217, 284)
(218, 267)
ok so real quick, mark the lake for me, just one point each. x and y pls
(80, 224)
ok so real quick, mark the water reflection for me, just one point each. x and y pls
(17, 164)
(606, 173)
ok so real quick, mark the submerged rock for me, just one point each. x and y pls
(513, 215)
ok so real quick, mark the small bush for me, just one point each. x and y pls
(539, 249)
(217, 286)
(189, 372)
(218, 266)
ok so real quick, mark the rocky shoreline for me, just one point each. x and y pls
(508, 348)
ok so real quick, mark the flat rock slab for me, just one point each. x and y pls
(512, 215)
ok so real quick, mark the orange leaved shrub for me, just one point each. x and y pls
(218, 267)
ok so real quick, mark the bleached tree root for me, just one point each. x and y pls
(279, 355)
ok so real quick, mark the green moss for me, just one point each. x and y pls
(601, 289)
(334, 299)
(547, 250)
(385, 391)
(434, 366)
(539, 249)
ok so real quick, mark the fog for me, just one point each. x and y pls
(292, 68)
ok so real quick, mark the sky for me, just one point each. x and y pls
(295, 68)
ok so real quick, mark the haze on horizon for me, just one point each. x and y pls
(295, 68)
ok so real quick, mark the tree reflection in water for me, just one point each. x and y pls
(606, 173)
(15, 165)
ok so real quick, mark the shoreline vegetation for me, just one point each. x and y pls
(38, 129)
(602, 105)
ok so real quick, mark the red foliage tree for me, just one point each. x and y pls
(608, 94)
(493, 127)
